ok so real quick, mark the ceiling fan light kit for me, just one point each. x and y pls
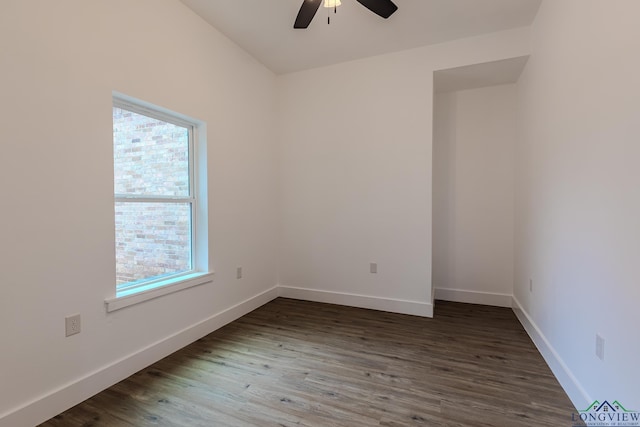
(383, 8)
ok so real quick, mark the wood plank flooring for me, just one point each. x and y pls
(298, 363)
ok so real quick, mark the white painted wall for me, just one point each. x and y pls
(356, 182)
(59, 62)
(473, 194)
(356, 154)
(349, 189)
(578, 204)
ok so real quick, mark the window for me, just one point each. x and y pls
(157, 203)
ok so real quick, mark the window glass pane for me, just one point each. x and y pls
(151, 157)
(152, 240)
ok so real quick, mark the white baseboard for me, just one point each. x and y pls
(578, 395)
(473, 297)
(57, 401)
(415, 308)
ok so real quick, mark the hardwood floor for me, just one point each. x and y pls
(297, 363)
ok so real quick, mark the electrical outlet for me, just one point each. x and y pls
(530, 285)
(72, 325)
(373, 268)
(599, 347)
(239, 273)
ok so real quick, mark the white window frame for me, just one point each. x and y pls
(129, 294)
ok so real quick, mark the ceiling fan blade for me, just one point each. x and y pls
(307, 12)
(384, 8)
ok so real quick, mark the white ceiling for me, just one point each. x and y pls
(264, 28)
(479, 75)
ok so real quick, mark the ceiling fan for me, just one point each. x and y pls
(384, 8)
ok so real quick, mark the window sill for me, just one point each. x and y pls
(131, 297)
